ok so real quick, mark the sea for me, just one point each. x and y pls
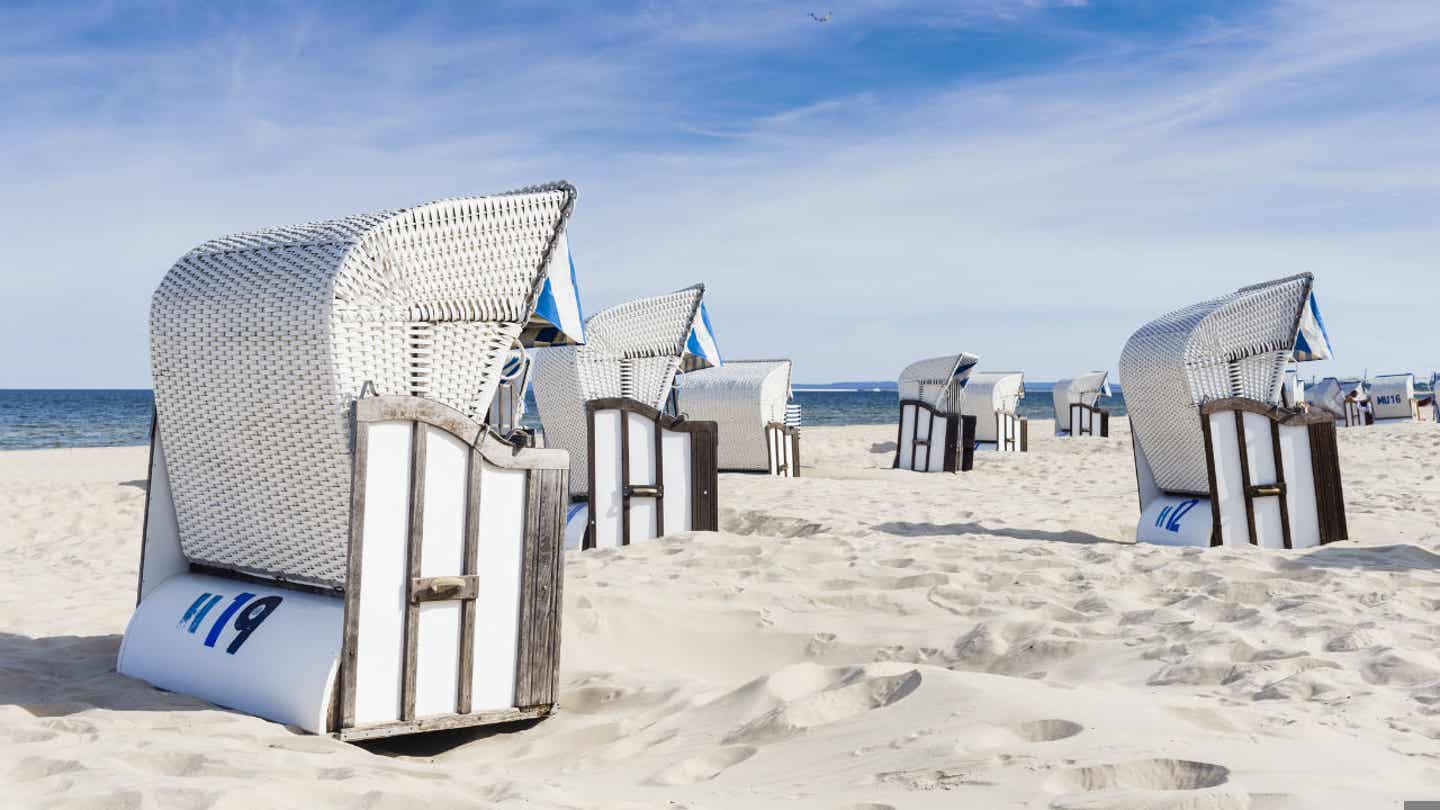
(34, 419)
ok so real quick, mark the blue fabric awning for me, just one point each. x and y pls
(1311, 341)
(558, 319)
(701, 350)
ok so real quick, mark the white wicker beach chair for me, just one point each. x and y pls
(1392, 398)
(1077, 410)
(323, 499)
(1346, 400)
(933, 435)
(749, 400)
(993, 398)
(1292, 389)
(1219, 460)
(642, 470)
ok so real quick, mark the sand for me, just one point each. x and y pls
(857, 638)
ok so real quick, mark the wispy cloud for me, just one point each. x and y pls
(845, 209)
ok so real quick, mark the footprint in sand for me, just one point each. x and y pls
(843, 702)
(1048, 730)
(1155, 784)
(703, 767)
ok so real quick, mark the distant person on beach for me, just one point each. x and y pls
(1367, 413)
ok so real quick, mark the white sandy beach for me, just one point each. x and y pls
(856, 638)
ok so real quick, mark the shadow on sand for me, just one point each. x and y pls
(906, 529)
(1374, 558)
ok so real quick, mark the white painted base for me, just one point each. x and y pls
(1174, 520)
(283, 670)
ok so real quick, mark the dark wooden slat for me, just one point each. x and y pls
(1279, 480)
(588, 541)
(659, 493)
(795, 453)
(351, 639)
(1104, 424)
(899, 437)
(967, 443)
(442, 723)
(470, 563)
(1215, 537)
(418, 452)
(537, 661)
(624, 477)
(1245, 476)
(705, 477)
(952, 443)
(1024, 435)
(1329, 493)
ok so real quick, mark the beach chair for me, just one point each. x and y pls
(1392, 399)
(638, 469)
(1077, 411)
(1292, 389)
(749, 401)
(933, 435)
(1346, 400)
(993, 399)
(332, 538)
(1219, 460)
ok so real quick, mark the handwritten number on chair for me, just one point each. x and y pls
(247, 621)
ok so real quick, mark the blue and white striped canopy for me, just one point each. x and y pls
(1311, 341)
(557, 320)
(701, 351)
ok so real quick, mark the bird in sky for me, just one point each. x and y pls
(817, 18)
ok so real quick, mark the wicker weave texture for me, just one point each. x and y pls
(934, 382)
(261, 341)
(632, 350)
(1237, 345)
(1085, 389)
(741, 397)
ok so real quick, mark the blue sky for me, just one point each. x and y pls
(1026, 180)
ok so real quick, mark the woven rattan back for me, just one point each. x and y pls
(1237, 345)
(632, 350)
(260, 343)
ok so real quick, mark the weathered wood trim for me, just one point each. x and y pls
(1099, 415)
(625, 476)
(659, 493)
(418, 409)
(537, 662)
(442, 723)
(471, 553)
(418, 453)
(959, 445)
(967, 443)
(1285, 416)
(791, 434)
(900, 435)
(1215, 537)
(1281, 485)
(704, 446)
(1329, 494)
(588, 541)
(705, 477)
(1244, 478)
(351, 638)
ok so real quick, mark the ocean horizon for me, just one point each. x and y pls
(45, 418)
